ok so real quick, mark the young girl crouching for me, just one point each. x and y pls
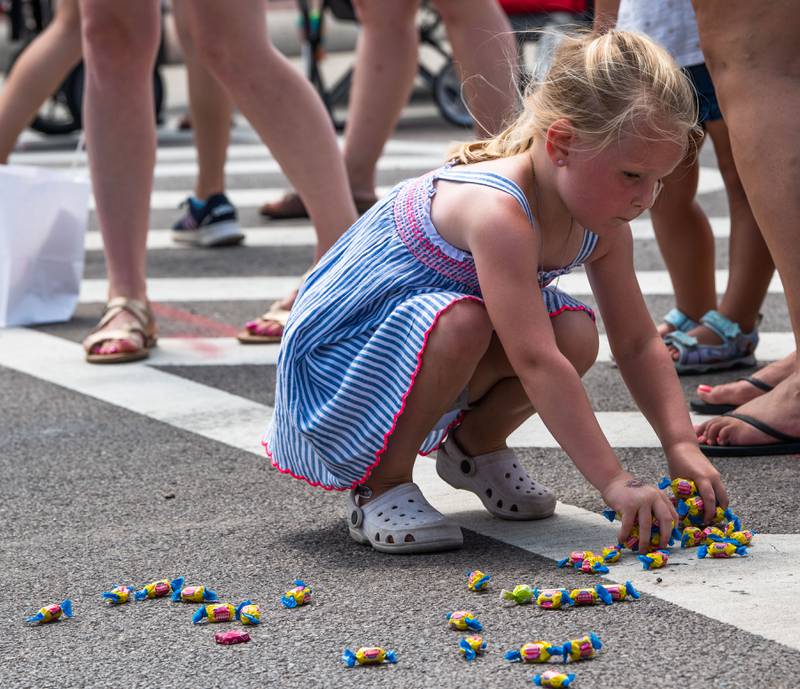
(434, 323)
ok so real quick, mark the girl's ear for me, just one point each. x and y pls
(559, 140)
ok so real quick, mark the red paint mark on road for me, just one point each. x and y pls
(202, 326)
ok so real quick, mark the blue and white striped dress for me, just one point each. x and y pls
(354, 341)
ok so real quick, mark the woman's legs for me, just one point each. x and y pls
(386, 63)
(760, 97)
(463, 352)
(211, 110)
(37, 74)
(120, 41)
(485, 55)
(750, 263)
(231, 42)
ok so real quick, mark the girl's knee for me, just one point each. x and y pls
(465, 330)
(577, 338)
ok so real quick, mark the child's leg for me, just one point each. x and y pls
(38, 72)
(686, 242)
(462, 352)
(499, 402)
(455, 348)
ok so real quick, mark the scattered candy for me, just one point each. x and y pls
(232, 636)
(301, 594)
(575, 558)
(368, 655)
(742, 537)
(592, 565)
(552, 599)
(477, 580)
(582, 649)
(118, 595)
(520, 594)
(215, 612)
(721, 549)
(195, 594)
(158, 589)
(472, 646)
(711, 534)
(534, 652)
(682, 488)
(611, 554)
(655, 560)
(617, 592)
(586, 596)
(51, 613)
(248, 613)
(692, 537)
(462, 620)
(551, 678)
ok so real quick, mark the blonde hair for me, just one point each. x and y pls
(606, 86)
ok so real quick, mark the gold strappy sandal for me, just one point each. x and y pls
(144, 326)
(276, 314)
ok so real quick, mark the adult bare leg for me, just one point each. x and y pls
(759, 96)
(211, 110)
(386, 63)
(120, 41)
(38, 72)
(485, 55)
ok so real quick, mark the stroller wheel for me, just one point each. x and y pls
(447, 96)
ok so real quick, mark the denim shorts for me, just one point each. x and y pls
(704, 92)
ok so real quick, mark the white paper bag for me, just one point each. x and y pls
(43, 216)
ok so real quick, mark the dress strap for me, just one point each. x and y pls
(488, 179)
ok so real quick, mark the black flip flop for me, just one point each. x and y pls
(787, 445)
(715, 409)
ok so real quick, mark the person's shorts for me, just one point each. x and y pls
(704, 91)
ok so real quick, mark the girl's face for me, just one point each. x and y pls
(604, 190)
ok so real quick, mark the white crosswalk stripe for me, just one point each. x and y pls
(652, 282)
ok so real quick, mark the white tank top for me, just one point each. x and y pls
(670, 23)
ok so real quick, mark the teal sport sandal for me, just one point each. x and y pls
(680, 321)
(736, 349)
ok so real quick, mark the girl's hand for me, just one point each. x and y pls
(638, 503)
(687, 461)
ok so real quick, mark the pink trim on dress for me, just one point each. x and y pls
(586, 309)
(379, 453)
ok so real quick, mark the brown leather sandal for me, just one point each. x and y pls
(291, 206)
(144, 326)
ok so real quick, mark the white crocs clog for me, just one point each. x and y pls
(498, 479)
(401, 520)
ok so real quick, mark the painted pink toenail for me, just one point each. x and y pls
(704, 388)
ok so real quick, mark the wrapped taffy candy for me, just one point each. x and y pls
(472, 646)
(534, 652)
(368, 655)
(463, 620)
(52, 613)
